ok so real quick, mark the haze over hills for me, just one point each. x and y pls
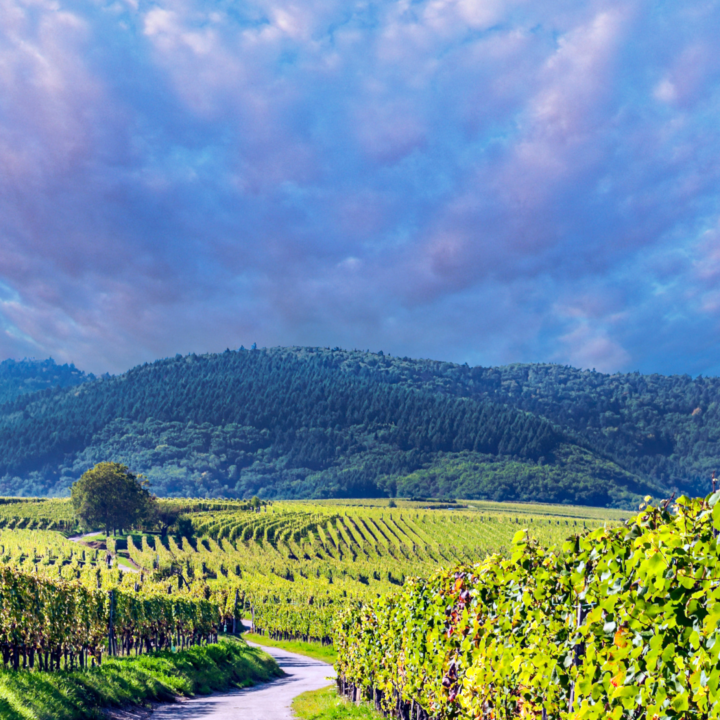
(315, 422)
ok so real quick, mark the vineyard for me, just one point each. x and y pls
(620, 623)
(290, 567)
(58, 514)
(62, 624)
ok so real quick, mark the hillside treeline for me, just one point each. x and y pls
(314, 422)
(20, 377)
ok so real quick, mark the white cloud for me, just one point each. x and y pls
(592, 349)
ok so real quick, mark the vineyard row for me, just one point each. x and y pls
(623, 623)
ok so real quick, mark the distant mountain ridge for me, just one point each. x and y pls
(315, 422)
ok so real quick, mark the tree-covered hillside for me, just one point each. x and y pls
(659, 427)
(314, 422)
(20, 377)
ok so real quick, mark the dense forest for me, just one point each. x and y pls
(315, 422)
(28, 376)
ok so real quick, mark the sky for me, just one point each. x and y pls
(481, 181)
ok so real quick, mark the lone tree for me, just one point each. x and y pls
(111, 496)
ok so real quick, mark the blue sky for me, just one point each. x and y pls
(488, 181)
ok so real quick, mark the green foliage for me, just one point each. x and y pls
(37, 513)
(622, 623)
(295, 564)
(289, 566)
(31, 376)
(56, 623)
(110, 496)
(59, 514)
(575, 476)
(184, 527)
(319, 423)
(124, 681)
(165, 516)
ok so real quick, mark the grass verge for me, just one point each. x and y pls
(326, 653)
(123, 681)
(326, 704)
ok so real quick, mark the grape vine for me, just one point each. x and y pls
(620, 623)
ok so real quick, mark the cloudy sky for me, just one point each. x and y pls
(487, 181)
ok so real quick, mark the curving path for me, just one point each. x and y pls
(270, 701)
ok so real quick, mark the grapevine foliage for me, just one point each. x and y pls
(288, 567)
(620, 623)
(61, 623)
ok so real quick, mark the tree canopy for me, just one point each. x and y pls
(21, 377)
(111, 496)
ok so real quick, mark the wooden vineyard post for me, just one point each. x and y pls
(111, 628)
(235, 611)
(579, 651)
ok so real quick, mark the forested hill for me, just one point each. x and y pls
(314, 422)
(20, 377)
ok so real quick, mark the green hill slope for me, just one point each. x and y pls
(314, 422)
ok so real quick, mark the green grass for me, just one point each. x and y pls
(326, 704)
(326, 653)
(124, 681)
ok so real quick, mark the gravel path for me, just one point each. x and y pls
(270, 701)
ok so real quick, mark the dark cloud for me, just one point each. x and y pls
(489, 181)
